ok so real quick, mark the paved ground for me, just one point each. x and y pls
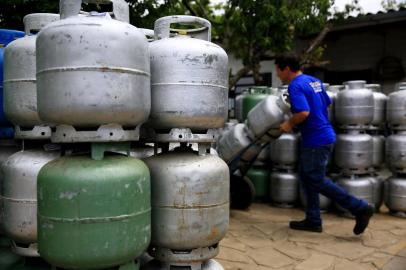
(260, 239)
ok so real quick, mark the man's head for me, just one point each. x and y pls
(287, 67)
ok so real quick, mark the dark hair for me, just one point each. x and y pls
(290, 60)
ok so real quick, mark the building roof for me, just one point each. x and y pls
(370, 19)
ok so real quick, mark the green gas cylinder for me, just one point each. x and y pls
(252, 98)
(94, 211)
(259, 177)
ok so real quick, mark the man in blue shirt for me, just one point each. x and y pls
(309, 103)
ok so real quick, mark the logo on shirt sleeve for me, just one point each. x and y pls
(316, 87)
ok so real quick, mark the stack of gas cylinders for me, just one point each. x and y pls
(395, 186)
(89, 97)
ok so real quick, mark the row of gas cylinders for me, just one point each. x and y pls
(95, 213)
(281, 185)
(355, 104)
(96, 207)
(80, 71)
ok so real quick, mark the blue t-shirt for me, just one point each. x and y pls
(307, 94)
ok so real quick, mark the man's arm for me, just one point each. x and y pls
(296, 119)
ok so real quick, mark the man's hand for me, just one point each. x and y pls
(297, 118)
(286, 127)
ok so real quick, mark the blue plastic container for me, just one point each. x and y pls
(6, 36)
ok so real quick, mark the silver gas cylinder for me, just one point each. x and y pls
(20, 88)
(189, 76)
(395, 109)
(377, 188)
(400, 86)
(324, 201)
(353, 152)
(358, 186)
(332, 91)
(284, 188)
(19, 195)
(378, 151)
(395, 199)
(149, 34)
(7, 148)
(354, 106)
(234, 142)
(379, 106)
(264, 119)
(92, 70)
(284, 151)
(187, 211)
(396, 152)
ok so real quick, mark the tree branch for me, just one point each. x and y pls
(319, 38)
(233, 80)
(188, 7)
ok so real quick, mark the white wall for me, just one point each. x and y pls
(266, 66)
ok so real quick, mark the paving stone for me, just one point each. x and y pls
(399, 232)
(232, 265)
(402, 253)
(379, 239)
(292, 250)
(268, 228)
(280, 234)
(395, 249)
(309, 237)
(233, 243)
(255, 242)
(378, 259)
(396, 263)
(232, 255)
(345, 250)
(270, 257)
(316, 262)
(342, 264)
(342, 230)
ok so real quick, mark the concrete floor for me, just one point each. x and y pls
(260, 239)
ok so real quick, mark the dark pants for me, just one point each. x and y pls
(312, 169)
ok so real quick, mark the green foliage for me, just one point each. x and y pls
(13, 11)
(393, 4)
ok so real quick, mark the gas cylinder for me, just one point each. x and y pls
(285, 151)
(354, 106)
(93, 210)
(19, 196)
(92, 70)
(264, 119)
(358, 186)
(284, 188)
(379, 106)
(187, 212)
(395, 199)
(259, 177)
(395, 109)
(353, 152)
(396, 152)
(6, 36)
(20, 88)
(187, 67)
(253, 97)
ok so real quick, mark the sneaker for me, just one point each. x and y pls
(305, 225)
(362, 220)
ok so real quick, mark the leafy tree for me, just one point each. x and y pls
(13, 11)
(393, 4)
